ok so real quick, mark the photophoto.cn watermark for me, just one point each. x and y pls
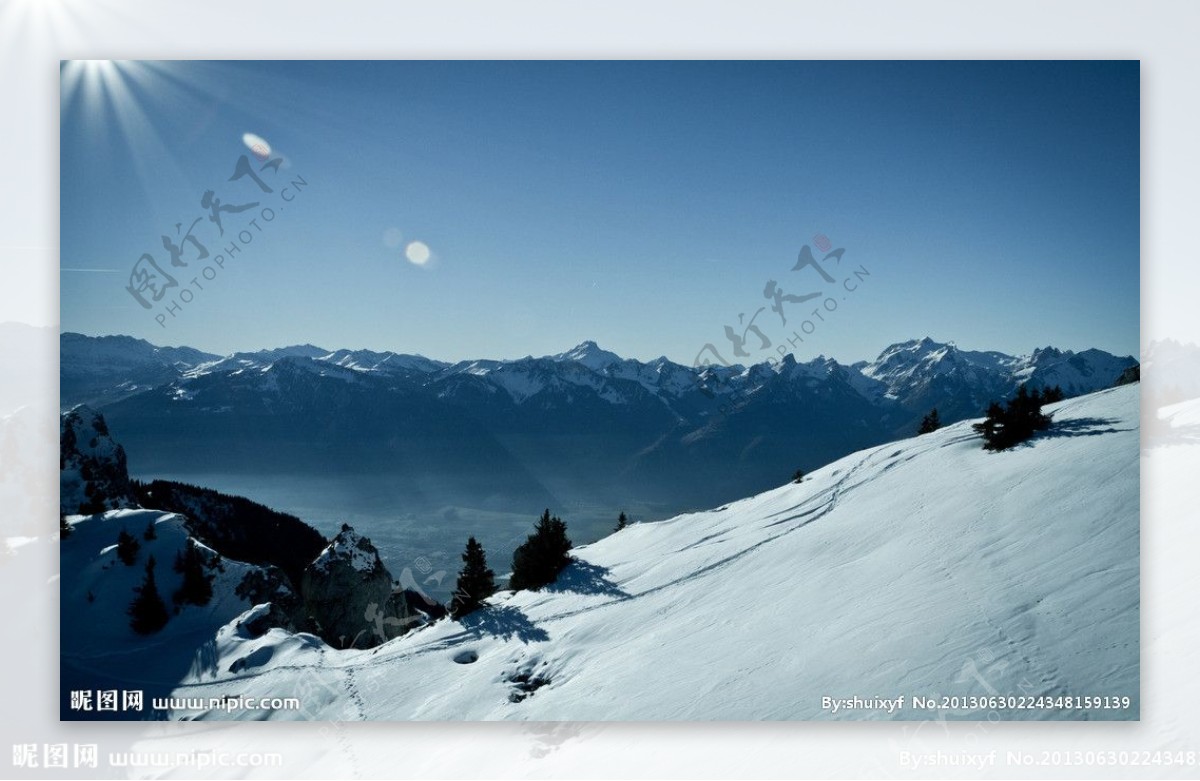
(748, 339)
(228, 225)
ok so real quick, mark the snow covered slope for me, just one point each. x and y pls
(923, 567)
(97, 647)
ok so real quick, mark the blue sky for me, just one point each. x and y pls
(643, 205)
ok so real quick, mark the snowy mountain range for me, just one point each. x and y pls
(580, 428)
(926, 566)
(95, 368)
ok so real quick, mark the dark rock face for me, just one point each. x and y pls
(270, 585)
(1132, 374)
(419, 605)
(92, 473)
(348, 597)
(260, 621)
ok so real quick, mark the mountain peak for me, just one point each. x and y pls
(301, 351)
(587, 347)
(1047, 352)
(590, 355)
(908, 352)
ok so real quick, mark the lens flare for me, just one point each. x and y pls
(257, 144)
(417, 253)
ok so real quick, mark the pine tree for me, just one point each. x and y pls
(147, 612)
(127, 548)
(94, 504)
(476, 582)
(622, 521)
(930, 423)
(798, 476)
(196, 588)
(1051, 395)
(151, 533)
(1009, 425)
(538, 560)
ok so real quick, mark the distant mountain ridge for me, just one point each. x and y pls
(121, 365)
(582, 427)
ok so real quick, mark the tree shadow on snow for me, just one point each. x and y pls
(1081, 427)
(583, 577)
(503, 621)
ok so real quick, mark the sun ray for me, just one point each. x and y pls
(110, 106)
